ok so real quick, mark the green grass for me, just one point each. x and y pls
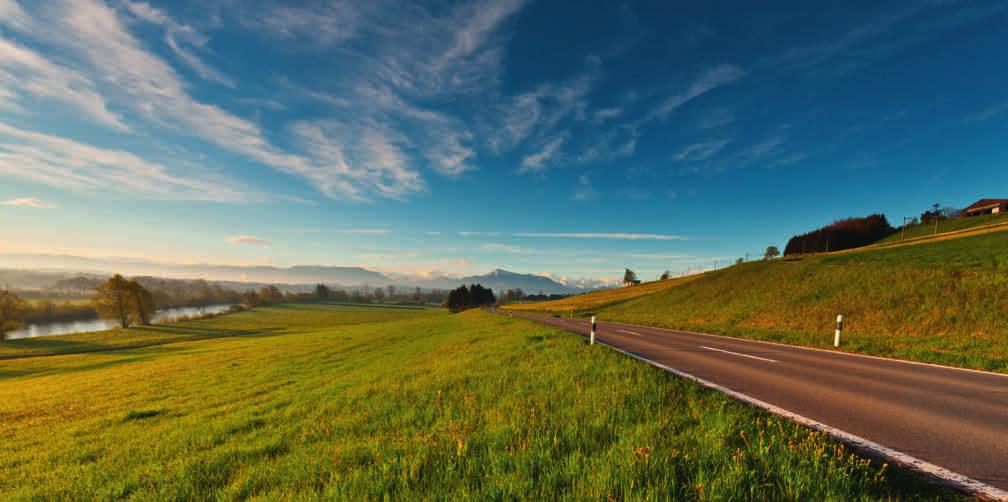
(587, 301)
(276, 320)
(305, 404)
(943, 302)
(952, 225)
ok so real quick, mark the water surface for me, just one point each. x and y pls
(70, 327)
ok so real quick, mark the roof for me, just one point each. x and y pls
(982, 203)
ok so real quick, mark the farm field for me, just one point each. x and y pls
(322, 401)
(940, 302)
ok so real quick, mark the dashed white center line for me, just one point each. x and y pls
(629, 332)
(738, 354)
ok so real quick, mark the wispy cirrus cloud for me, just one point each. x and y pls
(508, 248)
(708, 80)
(176, 35)
(537, 161)
(29, 202)
(26, 72)
(145, 84)
(251, 240)
(701, 151)
(64, 163)
(591, 235)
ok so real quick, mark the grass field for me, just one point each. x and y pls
(953, 225)
(302, 402)
(943, 302)
(588, 301)
(277, 320)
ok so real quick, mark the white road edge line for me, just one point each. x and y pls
(738, 354)
(965, 483)
(630, 332)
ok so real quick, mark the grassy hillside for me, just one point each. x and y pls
(941, 302)
(300, 402)
(595, 299)
(953, 225)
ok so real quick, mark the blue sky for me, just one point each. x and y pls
(546, 137)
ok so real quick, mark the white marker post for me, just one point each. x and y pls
(593, 331)
(839, 328)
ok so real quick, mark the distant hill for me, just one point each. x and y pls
(45, 271)
(500, 280)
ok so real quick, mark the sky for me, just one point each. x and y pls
(564, 138)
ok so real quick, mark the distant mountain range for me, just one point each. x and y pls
(56, 267)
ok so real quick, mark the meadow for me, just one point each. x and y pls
(940, 302)
(924, 230)
(305, 402)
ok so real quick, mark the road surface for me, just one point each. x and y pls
(956, 419)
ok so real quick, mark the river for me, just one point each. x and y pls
(66, 328)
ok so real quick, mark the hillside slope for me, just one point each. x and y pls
(595, 299)
(942, 302)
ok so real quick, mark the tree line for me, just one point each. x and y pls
(841, 234)
(463, 298)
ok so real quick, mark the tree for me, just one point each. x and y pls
(391, 291)
(12, 311)
(251, 299)
(629, 277)
(141, 303)
(270, 295)
(771, 253)
(417, 294)
(322, 292)
(379, 294)
(740, 261)
(665, 275)
(113, 300)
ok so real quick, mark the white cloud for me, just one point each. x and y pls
(716, 117)
(251, 240)
(478, 234)
(605, 114)
(29, 202)
(587, 235)
(506, 248)
(385, 257)
(23, 71)
(147, 85)
(65, 163)
(327, 24)
(701, 151)
(537, 161)
(175, 35)
(707, 81)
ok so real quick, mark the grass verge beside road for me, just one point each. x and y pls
(422, 406)
(941, 302)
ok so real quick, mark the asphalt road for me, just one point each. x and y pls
(956, 419)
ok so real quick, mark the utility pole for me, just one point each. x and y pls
(903, 227)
